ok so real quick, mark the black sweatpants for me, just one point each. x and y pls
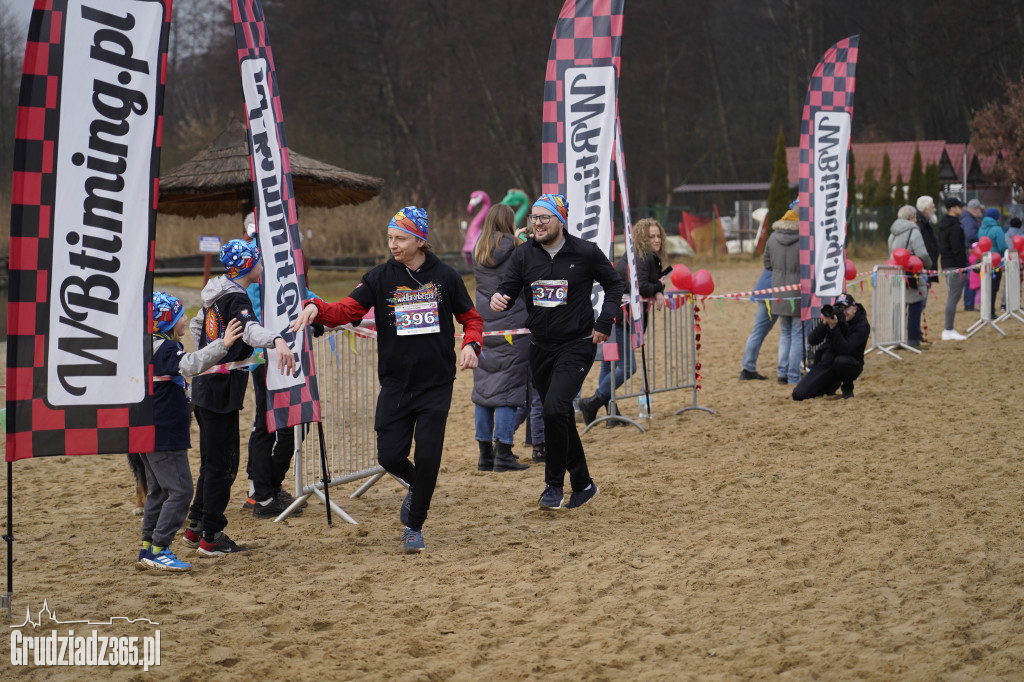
(218, 465)
(821, 380)
(559, 373)
(270, 454)
(401, 414)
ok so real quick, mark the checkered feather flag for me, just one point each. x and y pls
(83, 216)
(294, 398)
(579, 118)
(824, 164)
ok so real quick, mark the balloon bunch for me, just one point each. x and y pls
(700, 282)
(1017, 243)
(904, 259)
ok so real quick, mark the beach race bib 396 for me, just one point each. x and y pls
(416, 311)
(550, 293)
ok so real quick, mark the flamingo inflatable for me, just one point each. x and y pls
(519, 202)
(481, 199)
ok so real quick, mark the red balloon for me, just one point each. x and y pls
(1018, 242)
(851, 270)
(976, 252)
(901, 256)
(914, 264)
(996, 260)
(703, 285)
(891, 263)
(984, 244)
(681, 277)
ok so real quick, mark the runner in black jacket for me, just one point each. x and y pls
(841, 359)
(559, 271)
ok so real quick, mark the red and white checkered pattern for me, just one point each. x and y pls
(831, 89)
(588, 33)
(300, 404)
(34, 428)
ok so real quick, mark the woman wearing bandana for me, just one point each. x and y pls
(414, 297)
(556, 273)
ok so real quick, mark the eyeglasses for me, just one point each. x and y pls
(542, 219)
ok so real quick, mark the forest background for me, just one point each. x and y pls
(442, 98)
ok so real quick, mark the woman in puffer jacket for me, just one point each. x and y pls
(905, 234)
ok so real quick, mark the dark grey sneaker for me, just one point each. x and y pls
(551, 498)
(578, 499)
(746, 375)
(412, 541)
(220, 546)
(272, 509)
(403, 512)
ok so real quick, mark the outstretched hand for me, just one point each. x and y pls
(306, 317)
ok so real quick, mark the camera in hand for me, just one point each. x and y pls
(828, 311)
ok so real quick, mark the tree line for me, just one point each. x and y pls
(442, 98)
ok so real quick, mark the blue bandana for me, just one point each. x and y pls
(411, 219)
(555, 203)
(239, 257)
(167, 310)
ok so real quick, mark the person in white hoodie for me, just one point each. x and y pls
(219, 397)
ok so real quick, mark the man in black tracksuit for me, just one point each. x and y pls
(953, 253)
(841, 359)
(557, 272)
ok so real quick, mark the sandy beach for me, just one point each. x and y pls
(877, 538)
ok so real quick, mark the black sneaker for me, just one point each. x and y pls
(551, 498)
(847, 394)
(589, 407)
(540, 453)
(783, 380)
(219, 547)
(751, 376)
(272, 509)
(403, 512)
(286, 497)
(578, 499)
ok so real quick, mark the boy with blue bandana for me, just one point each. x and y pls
(167, 472)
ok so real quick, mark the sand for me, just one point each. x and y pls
(876, 538)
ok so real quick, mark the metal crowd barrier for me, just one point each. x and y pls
(668, 361)
(986, 299)
(346, 370)
(889, 311)
(1012, 287)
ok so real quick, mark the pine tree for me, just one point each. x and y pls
(917, 187)
(778, 191)
(885, 183)
(868, 189)
(899, 195)
(931, 183)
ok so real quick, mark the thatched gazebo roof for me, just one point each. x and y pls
(217, 180)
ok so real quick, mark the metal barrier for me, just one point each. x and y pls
(346, 371)
(889, 311)
(986, 299)
(1012, 287)
(668, 360)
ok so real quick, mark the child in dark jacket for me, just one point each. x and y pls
(167, 471)
(219, 397)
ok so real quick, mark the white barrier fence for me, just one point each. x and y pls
(346, 366)
(1012, 287)
(889, 311)
(985, 294)
(667, 362)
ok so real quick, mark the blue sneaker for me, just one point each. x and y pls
(144, 554)
(403, 513)
(551, 498)
(412, 541)
(578, 499)
(166, 561)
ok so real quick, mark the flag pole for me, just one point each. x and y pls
(324, 477)
(9, 539)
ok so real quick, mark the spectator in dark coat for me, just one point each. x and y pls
(840, 359)
(970, 221)
(499, 380)
(953, 259)
(926, 217)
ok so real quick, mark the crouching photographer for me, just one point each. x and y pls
(844, 330)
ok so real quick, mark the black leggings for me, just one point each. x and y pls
(825, 380)
(218, 464)
(559, 374)
(400, 414)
